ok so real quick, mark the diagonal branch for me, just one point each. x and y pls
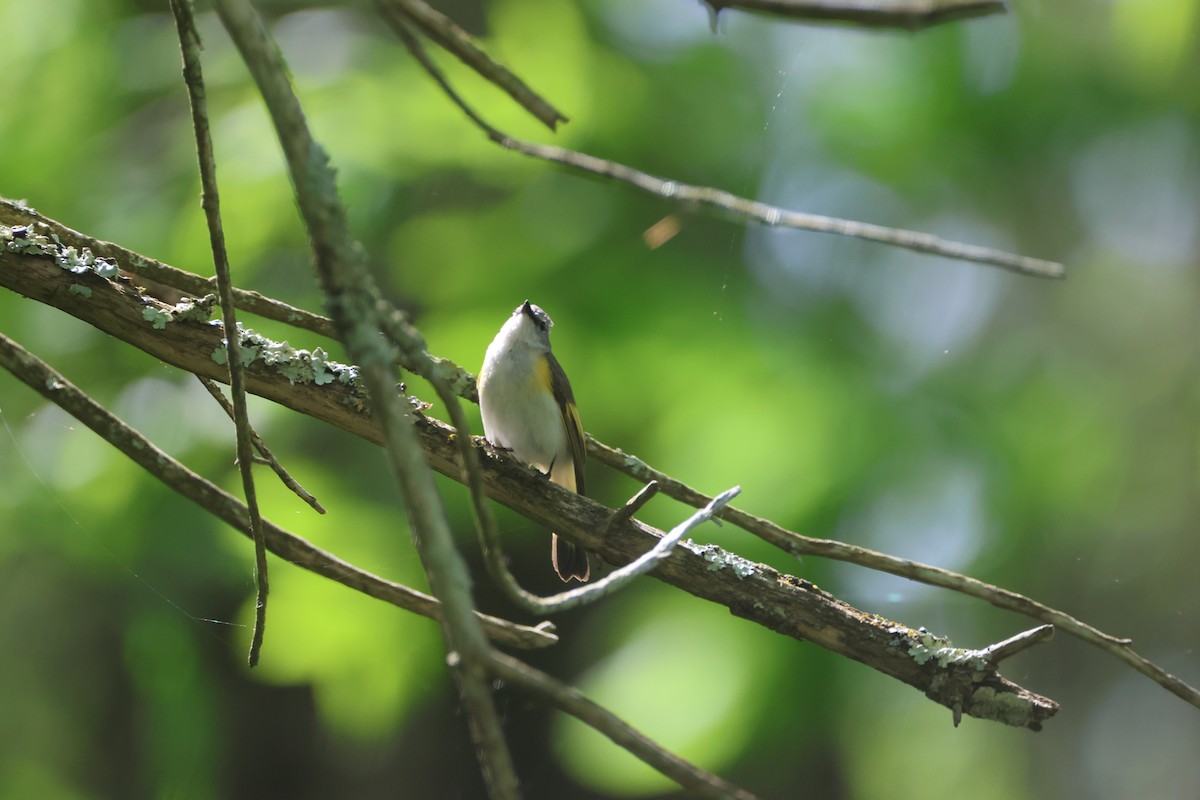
(453, 39)
(153, 271)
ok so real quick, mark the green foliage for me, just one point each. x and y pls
(1039, 435)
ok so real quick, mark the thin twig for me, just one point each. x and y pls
(909, 16)
(694, 780)
(193, 78)
(454, 39)
(351, 294)
(773, 216)
(739, 207)
(632, 506)
(266, 457)
(52, 385)
(1016, 644)
(619, 578)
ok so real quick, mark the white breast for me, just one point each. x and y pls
(517, 413)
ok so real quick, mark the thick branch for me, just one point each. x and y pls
(150, 271)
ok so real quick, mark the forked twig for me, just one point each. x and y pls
(265, 455)
(445, 32)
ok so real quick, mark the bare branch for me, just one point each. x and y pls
(739, 207)
(1017, 644)
(798, 544)
(454, 39)
(775, 217)
(909, 16)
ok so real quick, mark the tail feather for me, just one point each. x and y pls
(570, 561)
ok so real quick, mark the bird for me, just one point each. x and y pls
(528, 407)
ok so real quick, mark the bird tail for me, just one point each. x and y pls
(569, 560)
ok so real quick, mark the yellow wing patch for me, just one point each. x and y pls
(541, 373)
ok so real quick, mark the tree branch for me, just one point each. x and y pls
(739, 207)
(455, 40)
(907, 16)
(782, 603)
(155, 272)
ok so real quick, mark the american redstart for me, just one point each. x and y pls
(528, 407)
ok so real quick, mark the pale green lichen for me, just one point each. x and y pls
(188, 309)
(80, 289)
(924, 646)
(297, 365)
(719, 559)
(319, 358)
(1008, 707)
(633, 462)
(156, 316)
(25, 239)
(37, 239)
(194, 309)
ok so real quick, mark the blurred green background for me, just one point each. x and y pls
(1040, 435)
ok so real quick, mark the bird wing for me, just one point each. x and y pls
(570, 416)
